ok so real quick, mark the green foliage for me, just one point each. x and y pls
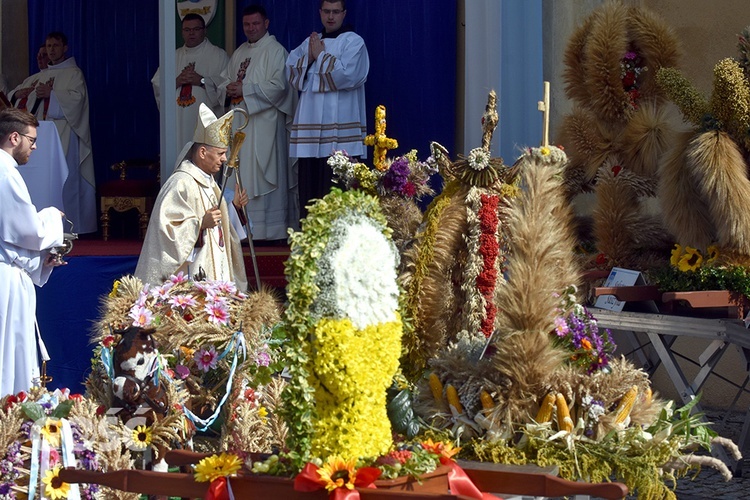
(670, 279)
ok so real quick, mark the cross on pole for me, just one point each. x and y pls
(543, 106)
(379, 140)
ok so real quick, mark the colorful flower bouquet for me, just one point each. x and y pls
(210, 341)
(42, 432)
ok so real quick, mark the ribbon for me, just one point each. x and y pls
(68, 455)
(220, 489)
(237, 344)
(460, 484)
(309, 480)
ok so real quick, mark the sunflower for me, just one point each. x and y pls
(55, 488)
(216, 466)
(51, 432)
(338, 473)
(676, 254)
(141, 436)
(713, 254)
(691, 260)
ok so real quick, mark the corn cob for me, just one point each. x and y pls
(451, 395)
(436, 387)
(545, 409)
(648, 395)
(487, 402)
(626, 405)
(564, 422)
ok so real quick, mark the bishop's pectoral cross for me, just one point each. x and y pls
(543, 106)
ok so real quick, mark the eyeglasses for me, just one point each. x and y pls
(192, 30)
(32, 140)
(328, 12)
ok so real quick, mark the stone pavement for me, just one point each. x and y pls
(709, 484)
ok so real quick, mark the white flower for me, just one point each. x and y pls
(479, 159)
(364, 272)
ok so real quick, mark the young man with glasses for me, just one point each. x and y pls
(26, 237)
(199, 64)
(329, 69)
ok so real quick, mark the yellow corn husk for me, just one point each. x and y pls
(626, 405)
(564, 422)
(545, 409)
(487, 402)
(451, 395)
(436, 387)
(648, 395)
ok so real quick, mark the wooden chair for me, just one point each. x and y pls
(126, 194)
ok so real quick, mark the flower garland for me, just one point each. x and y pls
(319, 304)
(631, 68)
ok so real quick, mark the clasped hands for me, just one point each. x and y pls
(188, 77)
(315, 46)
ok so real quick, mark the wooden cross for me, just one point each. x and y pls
(543, 106)
(379, 140)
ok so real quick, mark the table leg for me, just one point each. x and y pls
(105, 224)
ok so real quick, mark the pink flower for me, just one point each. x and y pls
(54, 457)
(218, 312)
(182, 301)
(141, 316)
(225, 287)
(178, 278)
(263, 359)
(206, 359)
(561, 326)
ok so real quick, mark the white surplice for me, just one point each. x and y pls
(331, 111)
(209, 61)
(25, 239)
(265, 170)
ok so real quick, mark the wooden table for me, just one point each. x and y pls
(663, 330)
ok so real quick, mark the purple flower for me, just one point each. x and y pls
(182, 371)
(206, 359)
(263, 359)
(397, 175)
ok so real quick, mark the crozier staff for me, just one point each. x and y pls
(26, 237)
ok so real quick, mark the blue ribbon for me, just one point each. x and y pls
(237, 344)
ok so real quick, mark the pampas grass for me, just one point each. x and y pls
(685, 211)
(716, 164)
(540, 268)
(645, 138)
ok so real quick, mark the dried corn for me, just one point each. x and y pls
(436, 387)
(626, 405)
(564, 422)
(451, 395)
(545, 410)
(487, 402)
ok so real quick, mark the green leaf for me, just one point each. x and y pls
(63, 409)
(33, 410)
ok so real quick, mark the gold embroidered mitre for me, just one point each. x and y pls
(213, 131)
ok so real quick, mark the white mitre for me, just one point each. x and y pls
(209, 130)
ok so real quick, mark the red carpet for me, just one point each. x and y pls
(270, 259)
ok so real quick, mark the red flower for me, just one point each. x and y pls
(601, 259)
(616, 169)
(628, 79)
(101, 410)
(76, 397)
(22, 396)
(10, 401)
(250, 395)
(108, 340)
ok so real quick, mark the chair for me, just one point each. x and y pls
(125, 194)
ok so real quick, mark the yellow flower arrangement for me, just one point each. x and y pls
(51, 431)
(216, 466)
(115, 286)
(54, 488)
(713, 254)
(676, 254)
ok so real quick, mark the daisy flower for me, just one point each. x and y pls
(141, 315)
(141, 437)
(218, 312)
(183, 301)
(206, 358)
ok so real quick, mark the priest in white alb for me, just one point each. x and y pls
(26, 237)
(61, 96)
(199, 65)
(189, 230)
(255, 81)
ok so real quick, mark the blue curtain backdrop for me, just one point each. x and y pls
(412, 48)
